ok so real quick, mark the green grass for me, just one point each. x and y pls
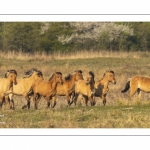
(133, 116)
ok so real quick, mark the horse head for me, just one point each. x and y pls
(57, 76)
(110, 75)
(12, 75)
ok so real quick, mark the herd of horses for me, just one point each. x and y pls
(32, 84)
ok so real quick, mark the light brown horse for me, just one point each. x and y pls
(6, 84)
(101, 86)
(86, 88)
(25, 84)
(67, 88)
(137, 83)
(47, 89)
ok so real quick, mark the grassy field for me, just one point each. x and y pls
(118, 112)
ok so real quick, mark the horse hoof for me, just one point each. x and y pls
(23, 107)
(12, 108)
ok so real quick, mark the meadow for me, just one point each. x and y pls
(118, 112)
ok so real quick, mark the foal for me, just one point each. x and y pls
(101, 86)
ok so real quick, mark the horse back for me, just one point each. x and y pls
(143, 83)
(4, 85)
(82, 87)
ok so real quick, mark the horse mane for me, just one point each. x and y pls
(68, 77)
(10, 71)
(112, 72)
(51, 77)
(30, 72)
(80, 71)
(92, 74)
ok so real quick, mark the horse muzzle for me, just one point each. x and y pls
(61, 83)
(88, 82)
(15, 83)
(114, 82)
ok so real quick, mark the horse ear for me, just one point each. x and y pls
(104, 74)
(6, 74)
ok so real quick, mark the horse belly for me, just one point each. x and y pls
(145, 88)
(98, 93)
(18, 89)
(144, 84)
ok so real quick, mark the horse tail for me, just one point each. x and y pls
(127, 86)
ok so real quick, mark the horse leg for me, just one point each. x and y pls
(6, 101)
(91, 100)
(85, 100)
(36, 99)
(133, 89)
(104, 99)
(11, 101)
(49, 101)
(28, 102)
(72, 95)
(139, 93)
(75, 98)
(68, 99)
(1, 101)
(53, 101)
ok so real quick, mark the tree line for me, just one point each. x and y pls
(74, 36)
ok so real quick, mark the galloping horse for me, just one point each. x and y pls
(86, 88)
(137, 83)
(6, 84)
(25, 84)
(67, 88)
(101, 86)
(47, 89)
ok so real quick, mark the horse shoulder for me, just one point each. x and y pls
(3, 85)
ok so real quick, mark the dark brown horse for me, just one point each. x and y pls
(86, 88)
(101, 86)
(47, 89)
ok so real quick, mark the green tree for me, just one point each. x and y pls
(20, 36)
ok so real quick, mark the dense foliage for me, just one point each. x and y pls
(73, 36)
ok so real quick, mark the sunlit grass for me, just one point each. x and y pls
(118, 112)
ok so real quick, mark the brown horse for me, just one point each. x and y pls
(6, 84)
(102, 89)
(137, 83)
(86, 88)
(67, 88)
(25, 84)
(47, 89)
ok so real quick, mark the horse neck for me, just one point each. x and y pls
(72, 80)
(92, 84)
(105, 81)
(9, 83)
(31, 80)
(53, 83)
